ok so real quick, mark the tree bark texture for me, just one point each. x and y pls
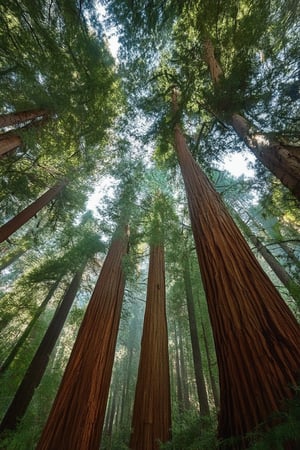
(151, 422)
(257, 338)
(76, 419)
(38, 365)
(197, 358)
(16, 118)
(283, 161)
(9, 143)
(20, 219)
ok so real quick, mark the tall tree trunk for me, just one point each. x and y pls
(20, 219)
(213, 383)
(16, 118)
(151, 420)
(282, 160)
(76, 419)
(197, 358)
(29, 327)
(257, 338)
(178, 380)
(292, 287)
(9, 143)
(183, 376)
(38, 365)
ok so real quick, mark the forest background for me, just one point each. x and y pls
(78, 124)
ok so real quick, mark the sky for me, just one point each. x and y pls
(237, 163)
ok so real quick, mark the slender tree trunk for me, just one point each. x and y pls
(178, 376)
(38, 365)
(16, 118)
(76, 419)
(9, 143)
(292, 287)
(151, 420)
(282, 160)
(29, 327)
(20, 219)
(183, 376)
(256, 336)
(197, 358)
(213, 383)
(125, 396)
(10, 259)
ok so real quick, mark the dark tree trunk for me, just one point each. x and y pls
(76, 419)
(256, 336)
(29, 327)
(10, 259)
(20, 219)
(183, 376)
(197, 358)
(16, 118)
(38, 365)
(181, 406)
(292, 287)
(151, 420)
(282, 160)
(213, 383)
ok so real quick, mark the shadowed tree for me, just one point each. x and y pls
(29, 327)
(76, 418)
(257, 338)
(197, 358)
(20, 219)
(292, 287)
(38, 365)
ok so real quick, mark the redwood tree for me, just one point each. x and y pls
(76, 418)
(16, 118)
(282, 160)
(151, 420)
(20, 219)
(257, 338)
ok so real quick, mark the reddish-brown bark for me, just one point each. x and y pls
(282, 160)
(76, 419)
(151, 420)
(16, 118)
(257, 338)
(9, 143)
(20, 219)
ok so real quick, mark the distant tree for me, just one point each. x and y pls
(38, 365)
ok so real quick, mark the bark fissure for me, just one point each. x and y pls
(257, 338)
(76, 419)
(151, 420)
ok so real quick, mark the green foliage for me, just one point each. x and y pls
(192, 432)
(286, 431)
